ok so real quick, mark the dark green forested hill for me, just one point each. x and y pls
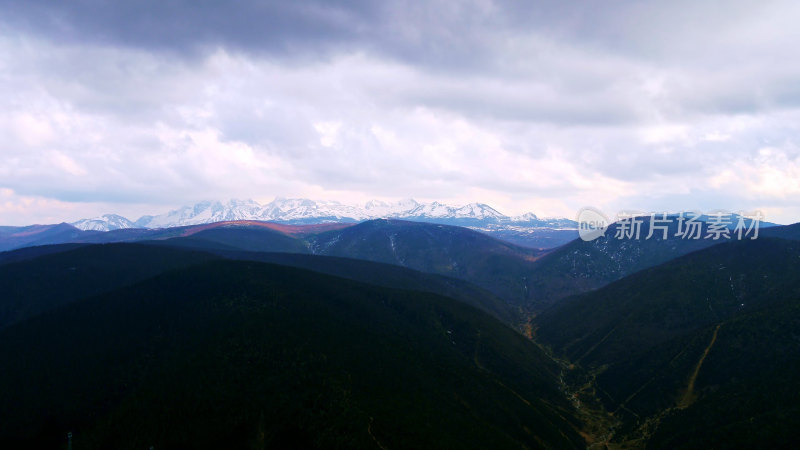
(454, 252)
(35, 279)
(580, 266)
(250, 238)
(42, 278)
(701, 352)
(446, 250)
(231, 354)
(388, 275)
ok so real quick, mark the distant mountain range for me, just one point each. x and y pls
(528, 229)
(305, 211)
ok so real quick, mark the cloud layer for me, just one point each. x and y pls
(546, 107)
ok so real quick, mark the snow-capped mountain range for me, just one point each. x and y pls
(304, 211)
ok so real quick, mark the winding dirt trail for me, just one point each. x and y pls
(689, 396)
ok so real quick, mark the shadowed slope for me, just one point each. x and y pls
(240, 354)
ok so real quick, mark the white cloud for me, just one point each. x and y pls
(523, 109)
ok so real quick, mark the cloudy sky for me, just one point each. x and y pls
(140, 107)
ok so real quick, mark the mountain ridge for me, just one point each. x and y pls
(301, 211)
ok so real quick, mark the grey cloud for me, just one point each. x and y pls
(188, 26)
(582, 50)
(169, 98)
(436, 30)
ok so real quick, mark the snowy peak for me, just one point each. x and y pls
(474, 211)
(432, 210)
(378, 208)
(203, 212)
(478, 211)
(106, 222)
(305, 210)
(527, 217)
